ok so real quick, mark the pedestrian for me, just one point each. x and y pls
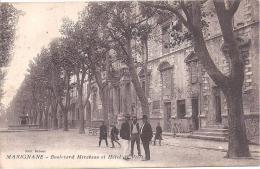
(146, 135)
(114, 136)
(135, 136)
(158, 134)
(103, 133)
(125, 135)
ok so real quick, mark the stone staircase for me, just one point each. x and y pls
(211, 132)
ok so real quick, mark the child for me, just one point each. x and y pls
(158, 134)
(114, 136)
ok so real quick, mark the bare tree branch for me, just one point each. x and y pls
(171, 9)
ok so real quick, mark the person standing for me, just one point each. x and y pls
(125, 135)
(103, 133)
(135, 136)
(158, 134)
(146, 135)
(114, 136)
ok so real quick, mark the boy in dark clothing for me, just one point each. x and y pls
(126, 136)
(158, 134)
(146, 134)
(114, 136)
(103, 134)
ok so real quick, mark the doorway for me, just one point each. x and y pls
(217, 99)
(218, 109)
(195, 113)
(181, 110)
(167, 116)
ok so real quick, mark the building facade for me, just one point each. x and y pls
(181, 95)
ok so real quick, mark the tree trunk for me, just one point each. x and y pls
(81, 112)
(54, 115)
(40, 120)
(232, 85)
(67, 102)
(46, 116)
(102, 94)
(134, 78)
(88, 115)
(65, 121)
(145, 53)
(104, 102)
(46, 113)
(34, 118)
(237, 142)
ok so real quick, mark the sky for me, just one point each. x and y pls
(35, 29)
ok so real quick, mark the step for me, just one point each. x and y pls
(213, 129)
(7, 131)
(36, 130)
(204, 137)
(221, 134)
(166, 134)
(216, 126)
(21, 130)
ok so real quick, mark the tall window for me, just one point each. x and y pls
(141, 75)
(156, 106)
(181, 111)
(194, 72)
(166, 78)
(193, 65)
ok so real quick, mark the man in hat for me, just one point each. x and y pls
(103, 133)
(146, 135)
(135, 136)
(126, 136)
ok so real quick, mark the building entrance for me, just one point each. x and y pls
(217, 98)
(167, 116)
(195, 113)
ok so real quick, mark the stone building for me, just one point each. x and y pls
(181, 95)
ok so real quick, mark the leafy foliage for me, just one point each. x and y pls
(8, 20)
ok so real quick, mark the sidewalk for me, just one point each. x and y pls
(174, 152)
(203, 144)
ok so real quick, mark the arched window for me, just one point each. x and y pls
(192, 62)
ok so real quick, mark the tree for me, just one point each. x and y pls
(190, 14)
(41, 86)
(94, 48)
(8, 19)
(77, 42)
(124, 26)
(61, 59)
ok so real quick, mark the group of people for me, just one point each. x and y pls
(131, 133)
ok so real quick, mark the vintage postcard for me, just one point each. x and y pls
(123, 84)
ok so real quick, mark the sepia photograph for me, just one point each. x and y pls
(129, 84)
